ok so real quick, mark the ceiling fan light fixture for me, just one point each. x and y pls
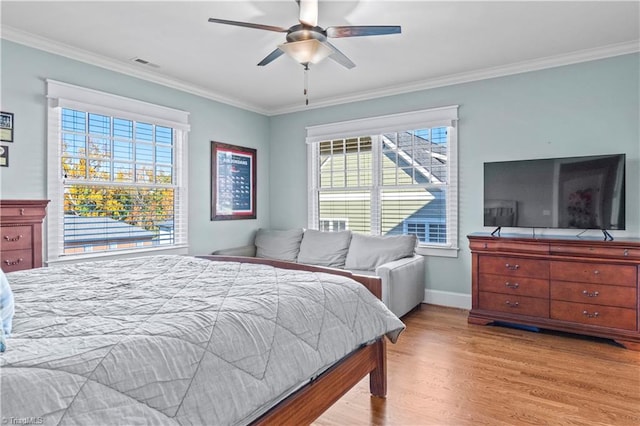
(307, 51)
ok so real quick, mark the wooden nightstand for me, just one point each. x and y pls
(21, 233)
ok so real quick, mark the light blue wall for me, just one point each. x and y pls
(588, 108)
(23, 90)
(583, 109)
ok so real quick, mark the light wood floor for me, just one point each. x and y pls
(443, 371)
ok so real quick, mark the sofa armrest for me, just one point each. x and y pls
(400, 263)
(403, 283)
(248, 251)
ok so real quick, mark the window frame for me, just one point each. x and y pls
(67, 96)
(373, 126)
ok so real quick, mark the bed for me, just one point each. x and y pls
(183, 340)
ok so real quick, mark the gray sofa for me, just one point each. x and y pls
(392, 258)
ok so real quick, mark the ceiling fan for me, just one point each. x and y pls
(307, 42)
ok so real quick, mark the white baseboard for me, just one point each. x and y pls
(447, 298)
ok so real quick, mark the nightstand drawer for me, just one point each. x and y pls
(16, 260)
(596, 294)
(597, 273)
(520, 305)
(514, 267)
(18, 213)
(521, 286)
(15, 237)
(603, 316)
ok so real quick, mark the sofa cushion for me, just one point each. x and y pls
(278, 244)
(324, 248)
(368, 252)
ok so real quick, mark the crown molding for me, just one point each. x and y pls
(476, 75)
(50, 46)
(47, 45)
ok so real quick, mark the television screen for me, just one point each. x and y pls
(573, 192)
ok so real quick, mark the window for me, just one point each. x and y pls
(117, 180)
(416, 228)
(437, 233)
(333, 225)
(388, 175)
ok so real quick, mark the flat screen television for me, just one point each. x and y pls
(572, 193)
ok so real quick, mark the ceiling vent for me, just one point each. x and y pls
(145, 62)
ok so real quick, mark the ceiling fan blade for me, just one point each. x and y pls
(308, 12)
(271, 57)
(362, 30)
(249, 25)
(340, 57)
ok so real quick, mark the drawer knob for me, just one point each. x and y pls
(13, 262)
(588, 315)
(512, 267)
(596, 272)
(512, 304)
(8, 238)
(626, 252)
(511, 285)
(589, 294)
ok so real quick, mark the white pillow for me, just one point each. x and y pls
(278, 244)
(6, 304)
(368, 252)
(324, 248)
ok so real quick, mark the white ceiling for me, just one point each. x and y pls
(442, 42)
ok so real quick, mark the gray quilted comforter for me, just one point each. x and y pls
(175, 340)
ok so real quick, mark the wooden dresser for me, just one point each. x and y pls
(21, 239)
(578, 285)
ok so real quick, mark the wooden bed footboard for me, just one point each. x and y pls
(313, 399)
(308, 403)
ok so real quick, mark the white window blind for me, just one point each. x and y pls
(434, 117)
(117, 176)
(400, 177)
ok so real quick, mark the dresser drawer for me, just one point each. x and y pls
(16, 260)
(595, 294)
(18, 213)
(15, 237)
(597, 273)
(603, 316)
(509, 245)
(521, 286)
(514, 267)
(513, 304)
(618, 252)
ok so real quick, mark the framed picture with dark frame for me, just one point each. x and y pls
(233, 182)
(6, 126)
(4, 156)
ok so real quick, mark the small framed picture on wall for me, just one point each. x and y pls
(4, 156)
(6, 126)
(233, 182)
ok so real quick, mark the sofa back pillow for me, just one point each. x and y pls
(368, 252)
(278, 244)
(324, 248)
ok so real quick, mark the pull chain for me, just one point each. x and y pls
(306, 84)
